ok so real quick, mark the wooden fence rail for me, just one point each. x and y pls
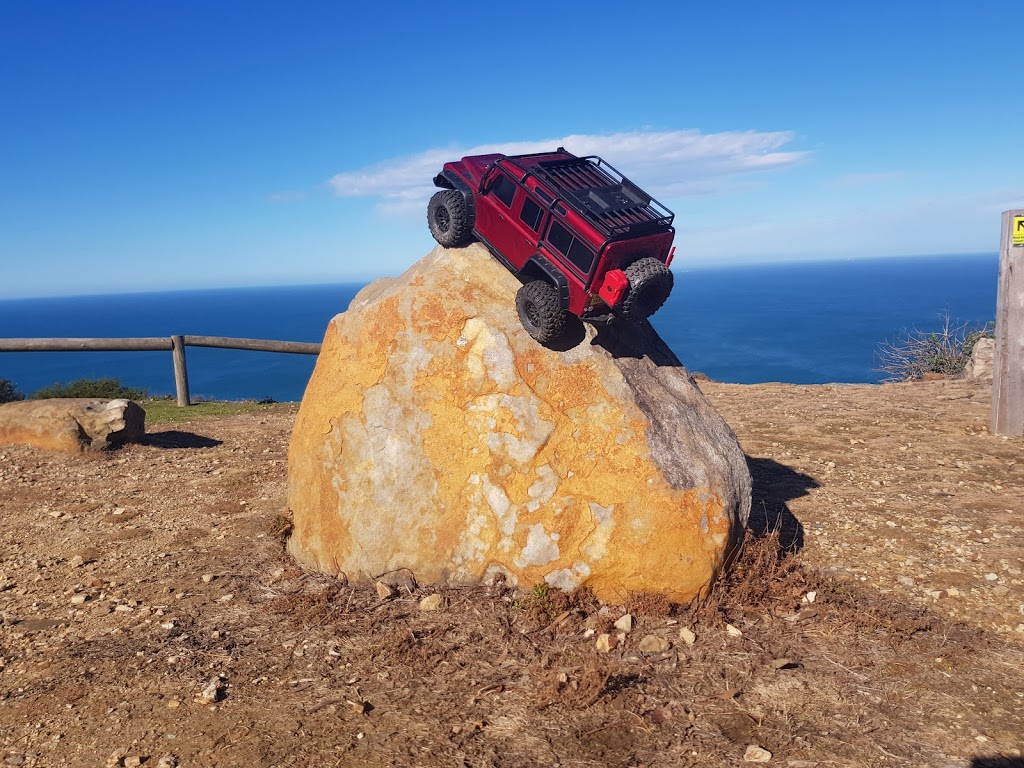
(175, 344)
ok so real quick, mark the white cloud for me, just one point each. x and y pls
(667, 163)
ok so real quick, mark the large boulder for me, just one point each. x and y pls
(71, 424)
(436, 435)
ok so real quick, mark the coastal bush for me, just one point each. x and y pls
(104, 388)
(946, 351)
(8, 392)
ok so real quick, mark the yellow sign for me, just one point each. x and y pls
(1018, 230)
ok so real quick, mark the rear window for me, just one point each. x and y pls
(570, 246)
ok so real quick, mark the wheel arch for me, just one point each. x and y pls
(539, 268)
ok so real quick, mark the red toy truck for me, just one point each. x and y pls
(582, 238)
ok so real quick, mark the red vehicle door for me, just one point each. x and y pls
(507, 219)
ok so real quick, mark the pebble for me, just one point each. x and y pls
(207, 578)
(991, 576)
(431, 602)
(385, 591)
(605, 642)
(225, 598)
(906, 581)
(687, 636)
(79, 599)
(77, 561)
(132, 762)
(653, 644)
(625, 623)
(733, 630)
(167, 761)
(1000, 590)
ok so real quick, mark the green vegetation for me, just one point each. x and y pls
(913, 354)
(165, 409)
(8, 392)
(105, 388)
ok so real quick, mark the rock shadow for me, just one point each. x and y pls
(175, 439)
(622, 338)
(774, 485)
(573, 335)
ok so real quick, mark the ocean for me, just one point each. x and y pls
(802, 323)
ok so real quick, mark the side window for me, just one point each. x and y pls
(530, 214)
(570, 246)
(504, 189)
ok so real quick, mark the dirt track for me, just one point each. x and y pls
(131, 581)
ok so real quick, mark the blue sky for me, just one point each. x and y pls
(152, 146)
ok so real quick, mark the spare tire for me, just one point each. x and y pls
(449, 219)
(650, 283)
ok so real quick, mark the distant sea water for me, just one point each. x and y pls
(803, 323)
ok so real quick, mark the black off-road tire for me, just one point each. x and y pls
(540, 311)
(449, 220)
(650, 283)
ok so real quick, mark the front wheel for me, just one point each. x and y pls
(540, 311)
(650, 283)
(449, 220)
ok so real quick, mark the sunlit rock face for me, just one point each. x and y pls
(436, 435)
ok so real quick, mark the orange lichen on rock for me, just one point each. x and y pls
(436, 435)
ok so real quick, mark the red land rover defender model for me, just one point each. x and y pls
(583, 238)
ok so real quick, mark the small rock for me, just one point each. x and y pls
(809, 597)
(625, 623)
(733, 630)
(14, 760)
(687, 636)
(952, 592)
(207, 578)
(123, 608)
(430, 602)
(653, 644)
(226, 598)
(801, 764)
(77, 561)
(212, 693)
(167, 761)
(386, 591)
(1000, 590)
(605, 642)
(79, 599)
(784, 663)
(132, 762)
(906, 581)
(756, 754)
(991, 576)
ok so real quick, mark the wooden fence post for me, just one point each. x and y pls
(1008, 370)
(180, 370)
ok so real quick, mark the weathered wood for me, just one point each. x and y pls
(180, 370)
(87, 345)
(259, 345)
(1008, 373)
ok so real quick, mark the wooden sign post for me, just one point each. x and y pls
(1008, 373)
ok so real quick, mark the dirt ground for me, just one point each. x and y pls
(148, 613)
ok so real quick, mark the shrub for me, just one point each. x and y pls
(914, 353)
(104, 388)
(8, 392)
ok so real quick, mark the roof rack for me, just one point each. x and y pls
(602, 195)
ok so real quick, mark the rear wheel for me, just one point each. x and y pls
(449, 219)
(540, 311)
(650, 283)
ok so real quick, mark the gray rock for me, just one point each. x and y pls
(979, 367)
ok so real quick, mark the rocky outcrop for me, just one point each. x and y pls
(436, 435)
(72, 424)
